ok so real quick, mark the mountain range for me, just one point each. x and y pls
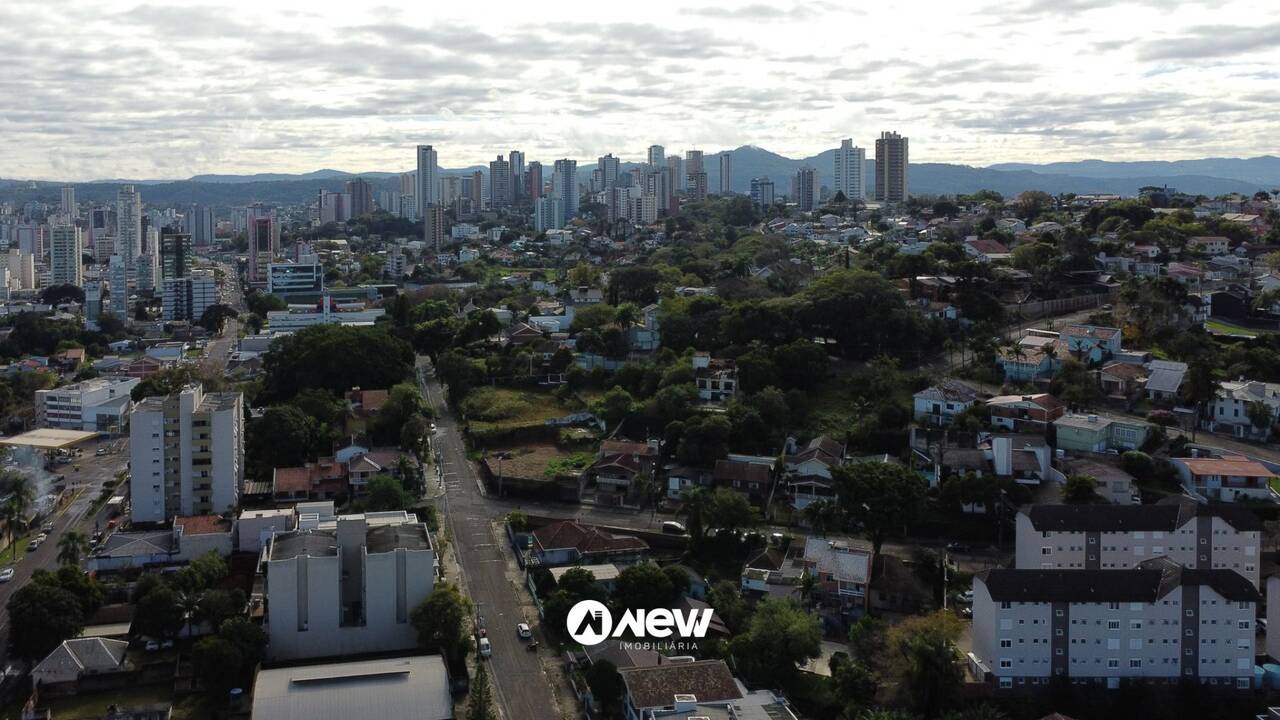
(1208, 176)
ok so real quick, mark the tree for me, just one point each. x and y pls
(58, 294)
(21, 495)
(925, 660)
(283, 437)
(41, 616)
(780, 636)
(615, 406)
(441, 622)
(643, 587)
(215, 317)
(882, 497)
(335, 358)
(218, 663)
(386, 493)
(1260, 415)
(606, 685)
(1075, 384)
(71, 546)
(581, 584)
(218, 606)
(729, 605)
(480, 696)
(1200, 388)
(1080, 490)
(728, 511)
(694, 510)
(159, 613)
(855, 683)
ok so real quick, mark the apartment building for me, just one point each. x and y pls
(1118, 537)
(91, 405)
(346, 586)
(1158, 622)
(187, 298)
(186, 454)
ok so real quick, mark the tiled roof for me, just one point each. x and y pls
(202, 524)
(585, 538)
(1165, 516)
(1146, 583)
(1227, 466)
(707, 680)
(732, 471)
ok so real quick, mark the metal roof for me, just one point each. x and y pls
(49, 438)
(392, 689)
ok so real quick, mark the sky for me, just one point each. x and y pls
(94, 89)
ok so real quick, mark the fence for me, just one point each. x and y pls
(1057, 306)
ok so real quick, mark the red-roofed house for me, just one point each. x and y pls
(1024, 413)
(570, 543)
(324, 479)
(1229, 479)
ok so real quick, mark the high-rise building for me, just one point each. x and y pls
(118, 288)
(147, 271)
(849, 164)
(655, 156)
(69, 207)
(499, 183)
(334, 207)
(22, 270)
(128, 223)
(657, 182)
(476, 193)
(891, 168)
(66, 248)
(433, 227)
(726, 172)
(264, 239)
(409, 188)
(609, 167)
(548, 213)
(175, 255)
(762, 191)
(516, 159)
(186, 454)
(533, 180)
(428, 181)
(92, 301)
(804, 189)
(564, 185)
(360, 193)
(675, 164)
(695, 176)
(188, 297)
(200, 225)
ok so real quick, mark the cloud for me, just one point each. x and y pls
(1212, 41)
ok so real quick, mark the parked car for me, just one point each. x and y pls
(33, 545)
(671, 527)
(966, 597)
(47, 527)
(523, 631)
(485, 648)
(100, 451)
(6, 575)
(958, 547)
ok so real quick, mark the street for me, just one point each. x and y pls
(522, 689)
(85, 485)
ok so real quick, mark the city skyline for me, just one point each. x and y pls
(294, 87)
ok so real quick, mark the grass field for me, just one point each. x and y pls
(496, 410)
(94, 705)
(1226, 328)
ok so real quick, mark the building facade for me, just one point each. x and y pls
(891, 168)
(849, 164)
(66, 248)
(89, 406)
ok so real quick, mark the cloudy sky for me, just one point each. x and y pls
(109, 88)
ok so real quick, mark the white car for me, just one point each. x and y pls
(966, 597)
(523, 631)
(486, 649)
(6, 575)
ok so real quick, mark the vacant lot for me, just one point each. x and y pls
(492, 411)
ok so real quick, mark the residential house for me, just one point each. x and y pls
(324, 479)
(717, 379)
(1122, 380)
(646, 335)
(1230, 478)
(1201, 536)
(571, 543)
(842, 569)
(81, 662)
(1095, 433)
(752, 479)
(1091, 343)
(188, 538)
(809, 471)
(1230, 409)
(939, 404)
(1114, 485)
(985, 249)
(1025, 413)
(606, 574)
(682, 478)
(682, 689)
(1030, 359)
(1164, 379)
(618, 463)
(774, 571)
(365, 403)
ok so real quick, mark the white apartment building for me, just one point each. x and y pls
(1158, 622)
(91, 405)
(22, 270)
(66, 246)
(427, 188)
(1117, 537)
(118, 288)
(849, 164)
(346, 586)
(128, 223)
(186, 454)
(187, 298)
(326, 312)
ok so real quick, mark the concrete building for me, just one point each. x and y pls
(695, 175)
(401, 688)
(762, 191)
(186, 454)
(118, 288)
(609, 168)
(146, 271)
(891, 168)
(533, 180)
(128, 223)
(427, 189)
(326, 312)
(176, 255)
(348, 586)
(548, 214)
(804, 189)
(263, 234)
(655, 157)
(1229, 411)
(726, 172)
(22, 270)
(187, 298)
(68, 206)
(564, 186)
(516, 159)
(1117, 537)
(200, 225)
(290, 278)
(849, 164)
(675, 164)
(1097, 433)
(500, 190)
(1231, 478)
(1158, 622)
(360, 194)
(89, 406)
(66, 247)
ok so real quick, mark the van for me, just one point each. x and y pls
(671, 527)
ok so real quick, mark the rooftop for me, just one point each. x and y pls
(1233, 466)
(202, 524)
(1146, 583)
(657, 686)
(1164, 516)
(393, 689)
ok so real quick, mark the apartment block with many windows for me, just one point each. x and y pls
(186, 454)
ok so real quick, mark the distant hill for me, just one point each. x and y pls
(1209, 176)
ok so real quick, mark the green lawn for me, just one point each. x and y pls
(491, 410)
(7, 554)
(1226, 328)
(94, 705)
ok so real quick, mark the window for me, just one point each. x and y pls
(1006, 643)
(1006, 663)
(1005, 605)
(1135, 663)
(1243, 624)
(1113, 624)
(1006, 682)
(1046, 550)
(1113, 663)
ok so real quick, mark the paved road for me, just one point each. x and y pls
(523, 689)
(95, 471)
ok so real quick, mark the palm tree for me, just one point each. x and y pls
(190, 604)
(71, 546)
(626, 315)
(694, 511)
(21, 495)
(9, 512)
(807, 585)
